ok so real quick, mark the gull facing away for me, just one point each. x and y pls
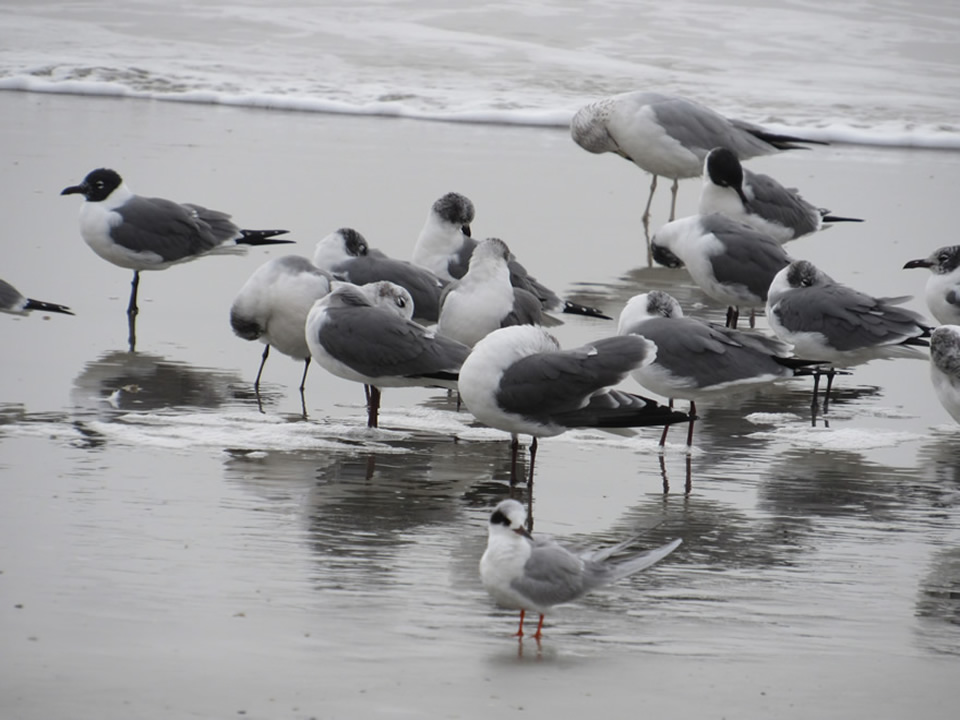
(445, 245)
(669, 136)
(943, 286)
(695, 360)
(351, 337)
(759, 200)
(272, 307)
(945, 367)
(142, 233)
(835, 324)
(523, 573)
(517, 379)
(13, 302)
(483, 300)
(729, 260)
(346, 255)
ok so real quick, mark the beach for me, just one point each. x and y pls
(168, 550)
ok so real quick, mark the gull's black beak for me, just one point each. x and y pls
(524, 532)
(465, 229)
(74, 189)
(925, 263)
(663, 256)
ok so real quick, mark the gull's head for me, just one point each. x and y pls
(491, 250)
(645, 306)
(97, 185)
(509, 518)
(454, 209)
(798, 275)
(338, 247)
(722, 167)
(390, 296)
(664, 241)
(942, 261)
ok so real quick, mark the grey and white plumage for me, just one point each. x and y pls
(484, 300)
(273, 304)
(668, 136)
(523, 573)
(354, 339)
(945, 367)
(14, 302)
(143, 233)
(830, 322)
(730, 261)
(519, 380)
(346, 254)
(942, 291)
(445, 245)
(758, 200)
(694, 359)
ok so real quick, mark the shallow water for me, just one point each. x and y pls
(167, 549)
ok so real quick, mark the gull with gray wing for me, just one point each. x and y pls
(524, 573)
(519, 380)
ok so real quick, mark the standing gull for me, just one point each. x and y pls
(272, 307)
(525, 573)
(943, 286)
(758, 200)
(835, 324)
(945, 367)
(669, 136)
(695, 360)
(355, 339)
(444, 247)
(730, 261)
(517, 379)
(347, 256)
(142, 233)
(483, 300)
(13, 302)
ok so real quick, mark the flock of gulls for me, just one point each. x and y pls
(465, 315)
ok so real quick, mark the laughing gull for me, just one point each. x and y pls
(758, 200)
(835, 324)
(272, 307)
(142, 233)
(517, 379)
(444, 247)
(695, 360)
(347, 256)
(943, 286)
(730, 261)
(354, 339)
(523, 573)
(484, 300)
(11, 301)
(945, 367)
(669, 136)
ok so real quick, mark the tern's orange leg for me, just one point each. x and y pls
(519, 632)
(539, 632)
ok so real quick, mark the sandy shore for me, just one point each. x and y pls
(163, 636)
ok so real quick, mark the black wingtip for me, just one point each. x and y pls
(573, 308)
(262, 237)
(785, 142)
(41, 306)
(837, 218)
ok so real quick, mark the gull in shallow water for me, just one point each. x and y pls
(695, 360)
(142, 233)
(826, 321)
(525, 573)
(346, 255)
(483, 300)
(13, 302)
(943, 286)
(519, 380)
(758, 200)
(669, 136)
(351, 337)
(732, 262)
(945, 367)
(272, 307)
(445, 245)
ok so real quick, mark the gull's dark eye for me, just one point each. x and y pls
(942, 258)
(401, 302)
(498, 518)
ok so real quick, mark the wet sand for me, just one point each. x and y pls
(167, 550)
